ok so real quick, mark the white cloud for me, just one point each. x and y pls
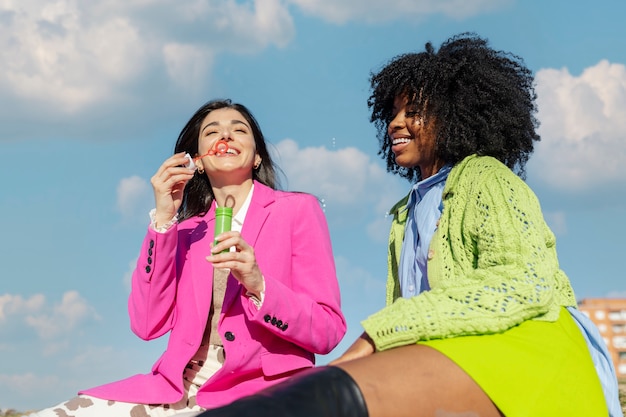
(24, 383)
(186, 65)
(73, 55)
(362, 294)
(50, 322)
(378, 229)
(52, 52)
(359, 283)
(128, 275)
(616, 294)
(583, 125)
(133, 197)
(557, 222)
(62, 318)
(382, 11)
(14, 304)
(347, 180)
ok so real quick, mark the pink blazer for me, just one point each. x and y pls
(172, 288)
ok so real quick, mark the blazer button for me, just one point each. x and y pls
(279, 323)
(149, 260)
(151, 243)
(229, 336)
(148, 269)
(267, 318)
(274, 321)
(284, 327)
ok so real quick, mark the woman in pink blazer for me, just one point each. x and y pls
(242, 314)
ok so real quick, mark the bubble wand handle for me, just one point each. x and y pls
(223, 222)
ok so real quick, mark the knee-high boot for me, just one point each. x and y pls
(319, 392)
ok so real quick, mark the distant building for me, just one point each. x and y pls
(609, 314)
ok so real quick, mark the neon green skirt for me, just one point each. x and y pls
(535, 369)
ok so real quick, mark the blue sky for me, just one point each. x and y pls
(93, 95)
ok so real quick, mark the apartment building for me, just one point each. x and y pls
(609, 314)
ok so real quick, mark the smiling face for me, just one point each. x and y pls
(239, 160)
(412, 141)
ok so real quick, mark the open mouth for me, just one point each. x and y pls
(229, 151)
(398, 141)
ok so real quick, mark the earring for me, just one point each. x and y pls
(200, 170)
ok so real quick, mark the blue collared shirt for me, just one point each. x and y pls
(424, 209)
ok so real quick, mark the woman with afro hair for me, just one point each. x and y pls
(479, 318)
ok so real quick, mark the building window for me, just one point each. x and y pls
(617, 315)
(619, 342)
(600, 315)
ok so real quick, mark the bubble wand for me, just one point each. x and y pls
(220, 148)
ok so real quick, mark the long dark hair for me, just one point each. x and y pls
(482, 102)
(198, 194)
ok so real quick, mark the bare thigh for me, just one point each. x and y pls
(416, 381)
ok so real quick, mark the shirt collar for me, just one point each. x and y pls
(420, 188)
(238, 218)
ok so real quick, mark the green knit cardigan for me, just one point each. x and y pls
(492, 262)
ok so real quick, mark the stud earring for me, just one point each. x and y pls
(200, 170)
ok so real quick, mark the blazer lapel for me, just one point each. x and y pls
(202, 270)
(259, 210)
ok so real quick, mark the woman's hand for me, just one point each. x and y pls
(362, 347)
(168, 184)
(241, 262)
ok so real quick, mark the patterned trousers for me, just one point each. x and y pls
(205, 363)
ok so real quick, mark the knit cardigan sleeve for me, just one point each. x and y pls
(492, 263)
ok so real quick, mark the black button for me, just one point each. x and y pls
(148, 269)
(149, 260)
(274, 321)
(279, 323)
(229, 336)
(150, 252)
(151, 243)
(284, 327)
(267, 318)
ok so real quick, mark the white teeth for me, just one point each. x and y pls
(400, 140)
(232, 151)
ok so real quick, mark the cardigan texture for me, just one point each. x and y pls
(492, 262)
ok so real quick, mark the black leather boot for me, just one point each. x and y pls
(319, 392)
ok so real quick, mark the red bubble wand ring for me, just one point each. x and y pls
(220, 148)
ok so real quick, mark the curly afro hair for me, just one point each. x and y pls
(482, 102)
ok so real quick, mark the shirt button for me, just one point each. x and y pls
(229, 336)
